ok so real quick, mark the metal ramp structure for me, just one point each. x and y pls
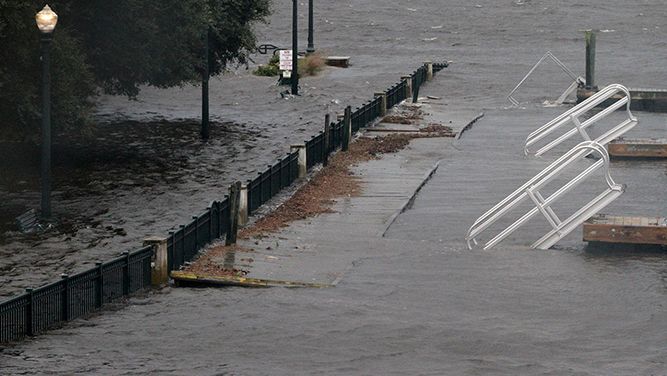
(576, 80)
(575, 120)
(531, 191)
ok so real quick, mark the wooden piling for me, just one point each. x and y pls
(590, 59)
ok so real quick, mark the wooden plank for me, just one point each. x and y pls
(626, 230)
(638, 148)
(186, 279)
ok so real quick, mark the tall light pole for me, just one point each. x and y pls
(46, 22)
(205, 126)
(295, 50)
(311, 39)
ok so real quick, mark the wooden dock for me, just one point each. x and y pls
(651, 100)
(638, 148)
(626, 230)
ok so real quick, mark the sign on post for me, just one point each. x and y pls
(286, 60)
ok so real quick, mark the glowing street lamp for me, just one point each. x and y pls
(46, 22)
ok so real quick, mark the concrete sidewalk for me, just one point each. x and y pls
(318, 251)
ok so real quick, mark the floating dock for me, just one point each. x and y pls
(638, 148)
(626, 230)
(338, 61)
(651, 100)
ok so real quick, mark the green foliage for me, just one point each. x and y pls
(271, 69)
(118, 46)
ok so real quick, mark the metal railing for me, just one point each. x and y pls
(576, 80)
(573, 117)
(49, 306)
(531, 191)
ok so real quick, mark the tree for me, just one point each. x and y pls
(116, 46)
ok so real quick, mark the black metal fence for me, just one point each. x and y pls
(51, 305)
(75, 296)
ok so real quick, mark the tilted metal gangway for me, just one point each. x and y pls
(531, 191)
(572, 119)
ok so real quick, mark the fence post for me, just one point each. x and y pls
(590, 59)
(243, 205)
(159, 261)
(234, 193)
(126, 272)
(195, 246)
(429, 70)
(347, 128)
(383, 105)
(327, 139)
(408, 86)
(303, 166)
(29, 328)
(99, 292)
(64, 298)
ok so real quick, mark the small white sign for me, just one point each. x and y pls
(285, 59)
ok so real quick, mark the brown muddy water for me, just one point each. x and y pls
(427, 307)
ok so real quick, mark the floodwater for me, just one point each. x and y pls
(427, 306)
(144, 171)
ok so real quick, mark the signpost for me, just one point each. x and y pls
(286, 60)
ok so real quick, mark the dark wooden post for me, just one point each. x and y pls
(234, 192)
(590, 59)
(327, 139)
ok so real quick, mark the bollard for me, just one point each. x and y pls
(429, 70)
(408, 86)
(303, 167)
(590, 59)
(243, 205)
(383, 106)
(159, 268)
(327, 140)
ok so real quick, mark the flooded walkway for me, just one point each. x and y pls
(415, 301)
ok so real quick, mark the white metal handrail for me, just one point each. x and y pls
(572, 117)
(531, 191)
(577, 80)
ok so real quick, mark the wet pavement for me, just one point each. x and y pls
(417, 301)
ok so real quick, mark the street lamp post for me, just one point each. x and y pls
(311, 41)
(205, 126)
(46, 22)
(295, 50)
